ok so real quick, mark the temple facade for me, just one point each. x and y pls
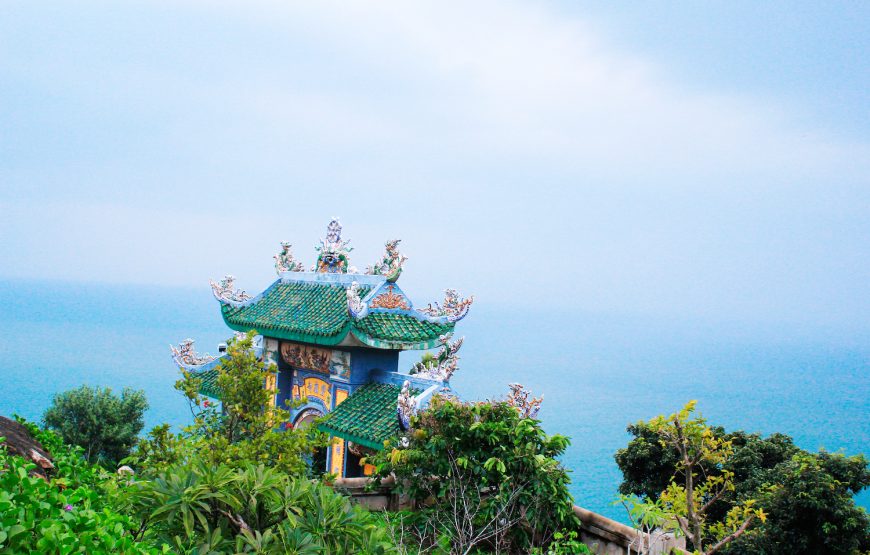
(334, 336)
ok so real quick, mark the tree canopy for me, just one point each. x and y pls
(807, 498)
(104, 424)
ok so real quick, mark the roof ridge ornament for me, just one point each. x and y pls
(406, 406)
(442, 366)
(519, 398)
(390, 265)
(284, 260)
(355, 305)
(225, 292)
(333, 257)
(454, 308)
(186, 356)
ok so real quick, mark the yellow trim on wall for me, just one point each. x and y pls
(319, 389)
(340, 395)
(337, 464)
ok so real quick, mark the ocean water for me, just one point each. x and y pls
(597, 373)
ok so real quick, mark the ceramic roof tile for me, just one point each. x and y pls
(317, 313)
(368, 417)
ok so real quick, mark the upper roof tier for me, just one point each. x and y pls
(334, 305)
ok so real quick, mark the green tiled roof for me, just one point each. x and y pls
(399, 327)
(316, 312)
(209, 385)
(367, 417)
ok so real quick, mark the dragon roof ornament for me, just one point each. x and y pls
(390, 265)
(355, 306)
(406, 406)
(225, 292)
(453, 309)
(442, 366)
(186, 356)
(521, 399)
(284, 261)
(333, 257)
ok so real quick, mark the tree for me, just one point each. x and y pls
(810, 503)
(246, 428)
(807, 497)
(482, 476)
(701, 463)
(105, 425)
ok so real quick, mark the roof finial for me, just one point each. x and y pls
(442, 366)
(333, 257)
(226, 293)
(355, 306)
(391, 263)
(185, 355)
(406, 406)
(519, 398)
(284, 261)
(453, 309)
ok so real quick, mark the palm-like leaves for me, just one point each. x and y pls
(199, 508)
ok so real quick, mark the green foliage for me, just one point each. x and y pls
(482, 475)
(103, 424)
(190, 507)
(564, 543)
(702, 459)
(807, 497)
(69, 514)
(242, 429)
(200, 508)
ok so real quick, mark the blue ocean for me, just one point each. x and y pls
(597, 372)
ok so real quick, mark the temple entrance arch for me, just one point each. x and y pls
(303, 420)
(306, 417)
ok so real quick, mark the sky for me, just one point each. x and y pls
(703, 161)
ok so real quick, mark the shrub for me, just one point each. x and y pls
(201, 508)
(105, 425)
(482, 476)
(68, 514)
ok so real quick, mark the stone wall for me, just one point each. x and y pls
(608, 537)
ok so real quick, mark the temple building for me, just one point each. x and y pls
(334, 335)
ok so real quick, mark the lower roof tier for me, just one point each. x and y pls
(317, 312)
(368, 417)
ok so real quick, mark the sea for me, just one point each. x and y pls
(597, 372)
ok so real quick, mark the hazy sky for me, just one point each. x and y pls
(710, 160)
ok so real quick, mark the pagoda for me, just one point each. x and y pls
(334, 336)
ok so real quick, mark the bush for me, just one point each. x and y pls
(105, 425)
(69, 514)
(202, 508)
(482, 476)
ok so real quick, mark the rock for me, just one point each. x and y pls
(19, 442)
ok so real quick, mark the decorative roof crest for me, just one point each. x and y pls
(355, 305)
(284, 261)
(333, 257)
(442, 366)
(390, 265)
(185, 355)
(226, 293)
(406, 406)
(519, 398)
(390, 300)
(454, 307)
